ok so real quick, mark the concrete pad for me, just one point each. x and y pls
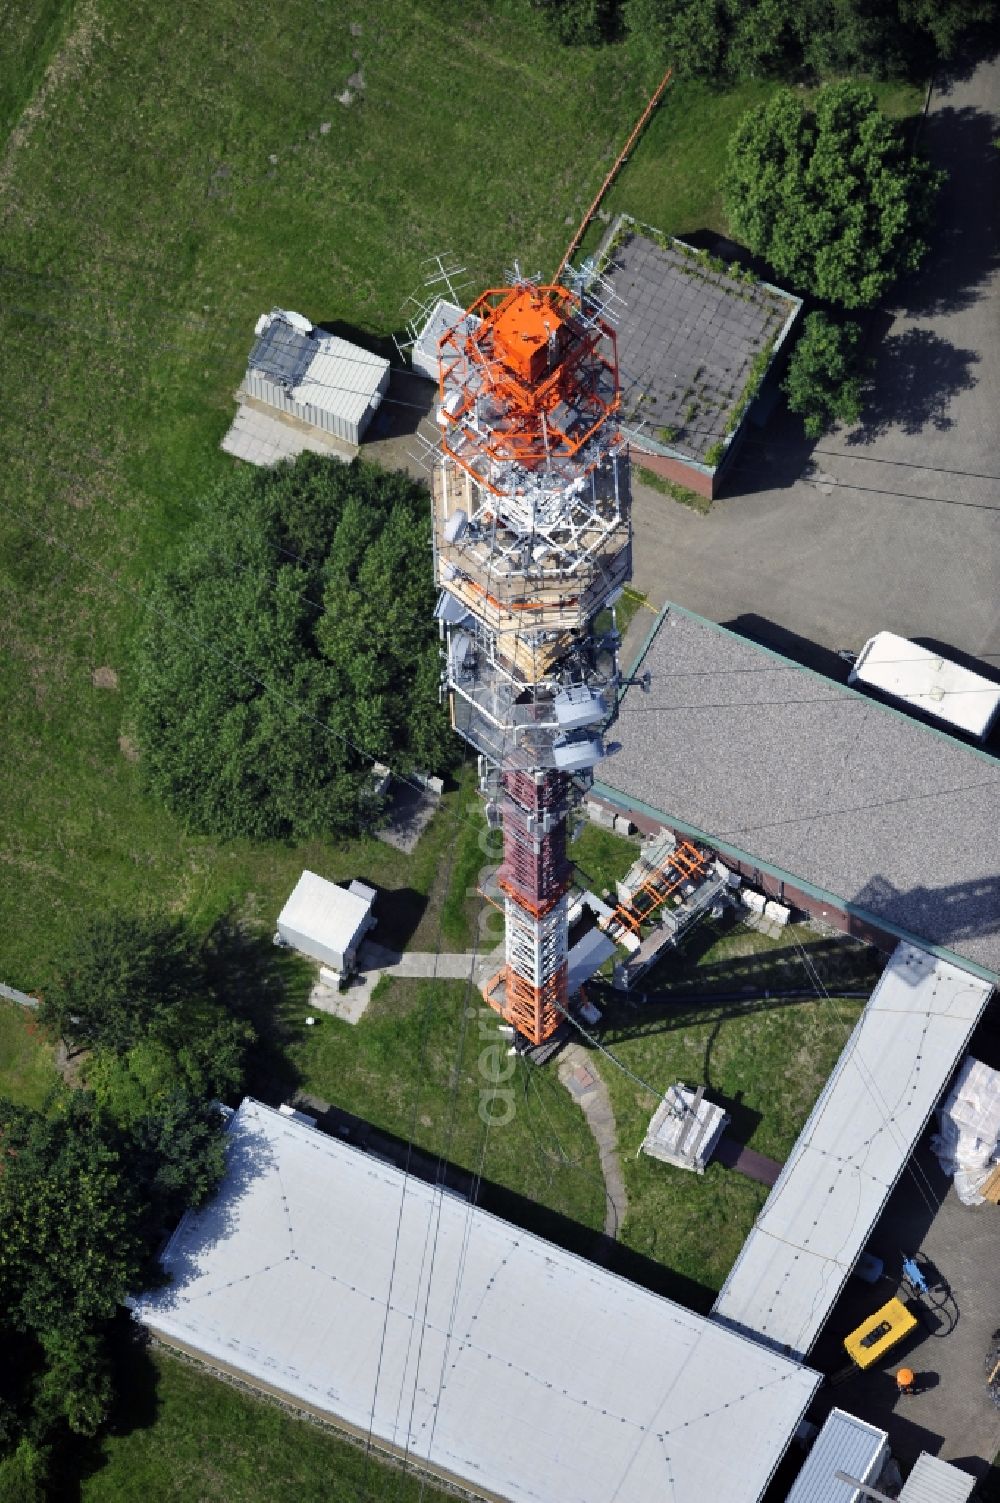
(891, 525)
(349, 1005)
(257, 438)
(410, 812)
(952, 1417)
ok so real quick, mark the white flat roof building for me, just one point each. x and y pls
(325, 921)
(929, 682)
(442, 317)
(853, 1148)
(490, 1355)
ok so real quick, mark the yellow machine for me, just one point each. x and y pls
(880, 1332)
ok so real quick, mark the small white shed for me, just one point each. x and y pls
(327, 922)
(316, 377)
(845, 1444)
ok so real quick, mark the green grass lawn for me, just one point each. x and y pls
(601, 857)
(179, 179)
(416, 1065)
(32, 30)
(198, 1440)
(27, 1072)
(764, 1061)
(672, 178)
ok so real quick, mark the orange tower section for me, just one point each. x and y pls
(532, 541)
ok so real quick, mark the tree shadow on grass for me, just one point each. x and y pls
(136, 1406)
(254, 980)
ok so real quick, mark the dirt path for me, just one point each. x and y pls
(68, 63)
(591, 1096)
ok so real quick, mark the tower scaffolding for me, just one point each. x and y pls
(532, 543)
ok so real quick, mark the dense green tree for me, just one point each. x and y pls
(293, 635)
(74, 1387)
(823, 383)
(580, 21)
(84, 1204)
(178, 1155)
(22, 1474)
(202, 1056)
(740, 39)
(124, 975)
(829, 196)
(69, 1209)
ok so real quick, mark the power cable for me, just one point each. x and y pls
(900, 464)
(420, 1077)
(456, 1075)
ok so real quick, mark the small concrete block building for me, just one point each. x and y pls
(317, 378)
(327, 922)
(697, 341)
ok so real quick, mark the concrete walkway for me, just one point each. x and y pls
(591, 1096)
(13, 995)
(418, 963)
(264, 438)
(351, 1002)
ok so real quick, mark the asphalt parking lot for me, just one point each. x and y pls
(894, 524)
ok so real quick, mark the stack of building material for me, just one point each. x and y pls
(685, 1129)
(968, 1139)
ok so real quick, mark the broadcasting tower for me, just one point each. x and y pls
(532, 542)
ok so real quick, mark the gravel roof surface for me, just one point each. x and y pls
(687, 338)
(833, 789)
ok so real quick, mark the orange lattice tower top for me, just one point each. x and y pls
(527, 378)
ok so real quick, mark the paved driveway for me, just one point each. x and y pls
(895, 524)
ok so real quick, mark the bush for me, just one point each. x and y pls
(830, 196)
(292, 643)
(823, 383)
(580, 22)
